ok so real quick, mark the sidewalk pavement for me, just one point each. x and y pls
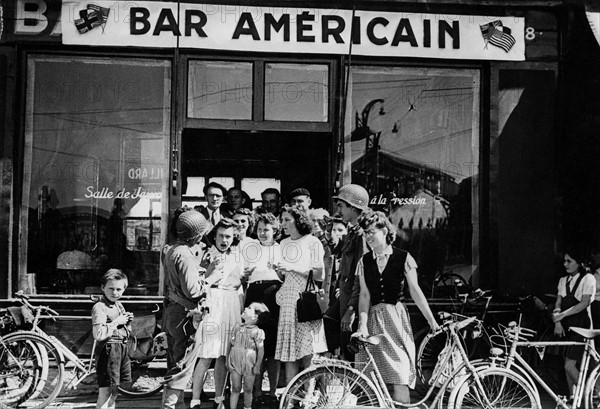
(89, 401)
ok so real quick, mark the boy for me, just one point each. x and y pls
(110, 328)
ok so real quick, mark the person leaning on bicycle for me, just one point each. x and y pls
(576, 291)
(382, 274)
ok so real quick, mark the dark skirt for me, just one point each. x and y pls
(264, 292)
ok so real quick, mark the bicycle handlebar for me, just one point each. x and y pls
(449, 320)
(24, 299)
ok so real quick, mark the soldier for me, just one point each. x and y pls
(184, 288)
(351, 201)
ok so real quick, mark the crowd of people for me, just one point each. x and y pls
(233, 277)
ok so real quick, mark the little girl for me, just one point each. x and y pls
(246, 354)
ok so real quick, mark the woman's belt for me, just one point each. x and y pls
(226, 287)
(265, 282)
(388, 302)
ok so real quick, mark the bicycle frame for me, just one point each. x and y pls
(453, 330)
(81, 369)
(589, 353)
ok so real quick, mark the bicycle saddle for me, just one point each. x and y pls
(586, 333)
(370, 340)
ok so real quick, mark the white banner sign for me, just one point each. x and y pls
(290, 30)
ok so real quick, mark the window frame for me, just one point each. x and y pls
(19, 250)
(480, 239)
(258, 123)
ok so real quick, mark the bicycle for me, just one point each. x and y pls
(587, 387)
(22, 370)
(333, 383)
(25, 372)
(476, 337)
(448, 285)
(147, 377)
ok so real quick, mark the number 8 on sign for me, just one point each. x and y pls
(529, 33)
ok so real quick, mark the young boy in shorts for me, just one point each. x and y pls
(110, 328)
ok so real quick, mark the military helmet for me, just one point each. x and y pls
(354, 195)
(191, 225)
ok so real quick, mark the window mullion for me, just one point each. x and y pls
(258, 83)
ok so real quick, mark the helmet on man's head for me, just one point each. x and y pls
(191, 225)
(354, 195)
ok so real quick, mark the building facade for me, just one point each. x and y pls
(452, 114)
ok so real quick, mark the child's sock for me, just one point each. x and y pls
(195, 402)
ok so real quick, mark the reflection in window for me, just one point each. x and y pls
(96, 172)
(295, 92)
(219, 90)
(414, 145)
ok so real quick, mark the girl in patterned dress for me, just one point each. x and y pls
(382, 273)
(246, 354)
(301, 252)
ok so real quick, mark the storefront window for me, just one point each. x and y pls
(295, 92)
(219, 90)
(414, 143)
(95, 172)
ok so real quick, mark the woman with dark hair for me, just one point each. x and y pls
(576, 291)
(382, 274)
(301, 253)
(224, 268)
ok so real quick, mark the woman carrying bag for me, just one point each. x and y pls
(301, 252)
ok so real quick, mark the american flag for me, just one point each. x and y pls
(498, 35)
(93, 16)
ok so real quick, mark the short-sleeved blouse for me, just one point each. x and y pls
(587, 286)
(303, 254)
(259, 257)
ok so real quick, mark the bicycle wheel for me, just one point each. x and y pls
(20, 363)
(428, 354)
(591, 395)
(476, 344)
(146, 378)
(329, 387)
(498, 388)
(448, 284)
(38, 364)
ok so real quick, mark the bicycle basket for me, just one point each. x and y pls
(7, 323)
(15, 318)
